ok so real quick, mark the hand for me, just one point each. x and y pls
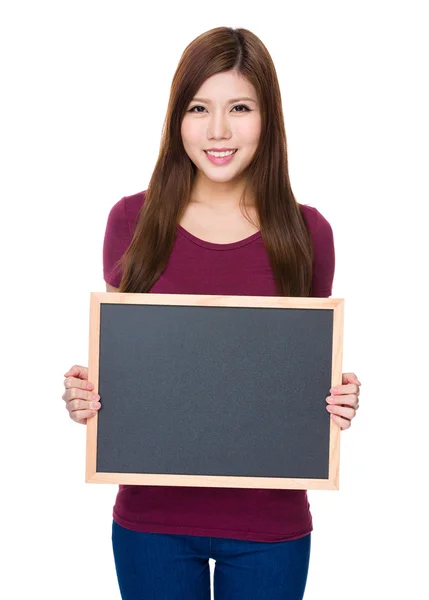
(344, 401)
(81, 402)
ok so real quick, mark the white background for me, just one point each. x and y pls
(85, 88)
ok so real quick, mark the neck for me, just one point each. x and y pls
(222, 195)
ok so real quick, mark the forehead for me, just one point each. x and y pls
(223, 86)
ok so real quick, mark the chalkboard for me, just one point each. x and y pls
(220, 391)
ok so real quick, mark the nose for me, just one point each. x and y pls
(219, 126)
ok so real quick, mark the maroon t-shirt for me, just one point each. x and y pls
(199, 267)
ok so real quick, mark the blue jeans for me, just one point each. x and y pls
(154, 566)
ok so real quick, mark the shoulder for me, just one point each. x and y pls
(124, 214)
(324, 251)
(318, 225)
(133, 205)
(119, 232)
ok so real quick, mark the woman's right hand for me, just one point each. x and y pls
(81, 402)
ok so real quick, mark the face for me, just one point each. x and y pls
(212, 120)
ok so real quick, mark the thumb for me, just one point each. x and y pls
(350, 378)
(77, 371)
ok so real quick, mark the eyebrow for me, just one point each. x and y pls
(229, 101)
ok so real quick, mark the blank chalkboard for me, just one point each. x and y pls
(221, 391)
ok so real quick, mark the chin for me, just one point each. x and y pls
(221, 177)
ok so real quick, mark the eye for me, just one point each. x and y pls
(242, 106)
(236, 106)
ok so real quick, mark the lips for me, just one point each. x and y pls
(220, 160)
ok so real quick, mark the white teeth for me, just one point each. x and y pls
(220, 154)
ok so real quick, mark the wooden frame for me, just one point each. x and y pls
(98, 298)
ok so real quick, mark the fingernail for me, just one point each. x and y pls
(95, 397)
(95, 405)
(89, 386)
(333, 390)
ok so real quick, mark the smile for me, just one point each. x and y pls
(220, 158)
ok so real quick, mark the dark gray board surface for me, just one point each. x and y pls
(205, 390)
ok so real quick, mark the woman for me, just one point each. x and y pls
(218, 217)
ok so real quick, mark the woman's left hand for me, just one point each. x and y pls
(344, 401)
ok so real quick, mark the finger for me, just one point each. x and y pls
(82, 405)
(81, 415)
(342, 411)
(70, 382)
(350, 388)
(343, 423)
(350, 399)
(77, 371)
(350, 378)
(79, 394)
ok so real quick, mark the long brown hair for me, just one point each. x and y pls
(283, 229)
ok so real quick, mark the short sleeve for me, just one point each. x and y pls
(117, 238)
(324, 258)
